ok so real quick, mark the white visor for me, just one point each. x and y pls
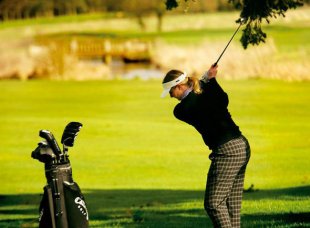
(168, 85)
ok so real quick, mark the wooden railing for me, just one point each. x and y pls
(130, 50)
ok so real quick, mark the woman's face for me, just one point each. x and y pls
(177, 91)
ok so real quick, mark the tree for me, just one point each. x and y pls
(141, 8)
(254, 12)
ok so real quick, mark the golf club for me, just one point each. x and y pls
(49, 137)
(241, 22)
(70, 133)
(44, 153)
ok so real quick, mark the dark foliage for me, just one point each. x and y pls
(171, 4)
(254, 12)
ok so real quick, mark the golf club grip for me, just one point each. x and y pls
(49, 137)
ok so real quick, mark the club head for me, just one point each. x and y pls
(50, 139)
(70, 133)
(241, 20)
(43, 153)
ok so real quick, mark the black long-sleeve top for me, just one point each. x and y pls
(208, 113)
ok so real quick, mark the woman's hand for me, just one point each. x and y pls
(212, 72)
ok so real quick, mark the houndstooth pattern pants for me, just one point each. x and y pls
(225, 181)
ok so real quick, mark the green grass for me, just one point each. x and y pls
(55, 20)
(133, 159)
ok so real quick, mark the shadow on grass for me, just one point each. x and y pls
(154, 208)
(301, 219)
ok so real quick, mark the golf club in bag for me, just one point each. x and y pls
(62, 205)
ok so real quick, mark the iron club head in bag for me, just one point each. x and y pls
(241, 21)
(43, 153)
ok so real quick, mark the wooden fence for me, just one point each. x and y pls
(129, 51)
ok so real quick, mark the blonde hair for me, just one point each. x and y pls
(192, 82)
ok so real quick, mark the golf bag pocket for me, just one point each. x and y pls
(77, 213)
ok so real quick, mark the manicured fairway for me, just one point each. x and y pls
(139, 166)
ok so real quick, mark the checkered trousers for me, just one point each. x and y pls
(225, 181)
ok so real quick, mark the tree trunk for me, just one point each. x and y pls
(159, 21)
(141, 22)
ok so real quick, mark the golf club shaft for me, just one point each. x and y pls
(227, 45)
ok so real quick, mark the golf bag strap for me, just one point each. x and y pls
(51, 204)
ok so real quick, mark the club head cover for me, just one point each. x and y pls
(71, 131)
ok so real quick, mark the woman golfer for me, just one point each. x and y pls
(203, 104)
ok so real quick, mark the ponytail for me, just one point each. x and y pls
(194, 83)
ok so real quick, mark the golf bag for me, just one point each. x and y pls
(62, 204)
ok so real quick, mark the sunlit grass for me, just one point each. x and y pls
(133, 158)
(126, 121)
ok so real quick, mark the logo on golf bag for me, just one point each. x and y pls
(82, 206)
(41, 214)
